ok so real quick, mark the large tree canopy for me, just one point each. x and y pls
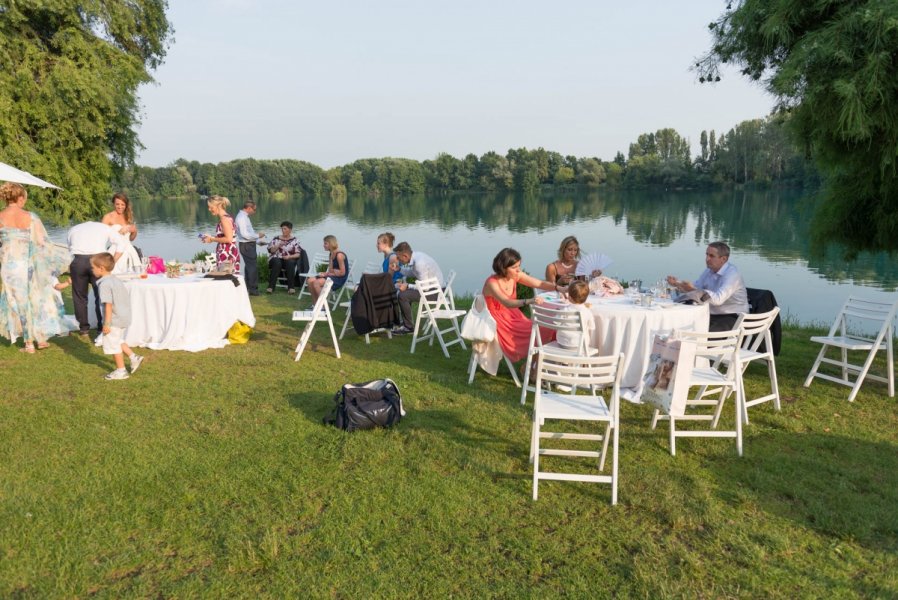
(833, 64)
(69, 73)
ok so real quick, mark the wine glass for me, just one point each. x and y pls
(144, 263)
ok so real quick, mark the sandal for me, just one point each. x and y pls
(43, 345)
(28, 349)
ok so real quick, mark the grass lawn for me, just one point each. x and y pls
(210, 475)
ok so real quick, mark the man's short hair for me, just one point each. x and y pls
(103, 260)
(249, 204)
(721, 247)
(402, 247)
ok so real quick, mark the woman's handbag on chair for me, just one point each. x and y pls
(478, 325)
(666, 381)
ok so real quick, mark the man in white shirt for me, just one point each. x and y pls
(723, 287)
(85, 240)
(419, 266)
(246, 242)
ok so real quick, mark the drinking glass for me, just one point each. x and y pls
(633, 287)
(144, 263)
(198, 265)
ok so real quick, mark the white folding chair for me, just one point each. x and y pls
(557, 318)
(576, 372)
(350, 284)
(755, 330)
(432, 307)
(450, 295)
(319, 312)
(850, 333)
(371, 268)
(318, 258)
(719, 350)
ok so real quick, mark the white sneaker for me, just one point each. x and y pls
(118, 374)
(136, 361)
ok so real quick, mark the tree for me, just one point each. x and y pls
(831, 65)
(69, 73)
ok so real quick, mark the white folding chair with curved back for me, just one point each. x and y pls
(557, 318)
(849, 333)
(349, 285)
(577, 373)
(757, 345)
(719, 349)
(433, 307)
(318, 259)
(319, 312)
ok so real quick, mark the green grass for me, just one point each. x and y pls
(210, 474)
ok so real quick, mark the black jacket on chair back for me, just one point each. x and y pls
(374, 304)
(761, 301)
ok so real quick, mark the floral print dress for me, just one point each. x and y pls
(29, 308)
(227, 250)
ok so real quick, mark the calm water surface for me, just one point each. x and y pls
(648, 234)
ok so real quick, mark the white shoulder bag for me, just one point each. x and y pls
(479, 325)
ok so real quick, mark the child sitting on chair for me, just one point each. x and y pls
(116, 315)
(577, 293)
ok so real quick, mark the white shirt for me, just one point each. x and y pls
(245, 231)
(92, 238)
(571, 339)
(726, 290)
(422, 266)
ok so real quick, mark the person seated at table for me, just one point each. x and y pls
(391, 262)
(284, 252)
(577, 293)
(721, 286)
(338, 271)
(501, 295)
(562, 271)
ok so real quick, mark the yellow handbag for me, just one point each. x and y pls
(239, 333)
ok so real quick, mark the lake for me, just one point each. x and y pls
(648, 234)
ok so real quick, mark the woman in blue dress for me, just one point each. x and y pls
(338, 271)
(28, 264)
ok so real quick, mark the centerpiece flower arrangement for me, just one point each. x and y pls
(172, 269)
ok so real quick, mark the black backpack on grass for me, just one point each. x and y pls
(366, 406)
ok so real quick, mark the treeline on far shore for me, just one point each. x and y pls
(753, 153)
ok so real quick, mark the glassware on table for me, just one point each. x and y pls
(144, 263)
(198, 265)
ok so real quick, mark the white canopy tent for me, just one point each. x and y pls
(8, 173)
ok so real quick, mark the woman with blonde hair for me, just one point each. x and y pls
(121, 219)
(28, 264)
(226, 248)
(337, 272)
(562, 270)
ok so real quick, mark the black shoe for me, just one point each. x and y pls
(402, 330)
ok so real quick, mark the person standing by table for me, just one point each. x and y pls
(85, 240)
(247, 238)
(723, 287)
(226, 247)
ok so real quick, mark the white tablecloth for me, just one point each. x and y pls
(185, 313)
(622, 326)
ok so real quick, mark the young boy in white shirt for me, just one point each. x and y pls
(577, 293)
(116, 315)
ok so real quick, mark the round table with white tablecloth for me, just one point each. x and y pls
(185, 313)
(622, 326)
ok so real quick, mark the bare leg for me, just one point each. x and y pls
(119, 361)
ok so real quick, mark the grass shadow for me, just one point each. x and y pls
(842, 487)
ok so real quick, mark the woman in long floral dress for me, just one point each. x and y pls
(29, 262)
(226, 247)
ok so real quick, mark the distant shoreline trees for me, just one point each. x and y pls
(753, 153)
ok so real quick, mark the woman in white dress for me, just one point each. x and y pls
(121, 219)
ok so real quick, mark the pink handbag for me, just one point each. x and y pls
(157, 265)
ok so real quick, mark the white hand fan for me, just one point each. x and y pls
(594, 261)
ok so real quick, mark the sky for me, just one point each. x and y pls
(332, 82)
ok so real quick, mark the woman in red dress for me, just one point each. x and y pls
(500, 291)
(226, 247)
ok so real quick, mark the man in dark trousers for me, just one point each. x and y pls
(247, 238)
(85, 240)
